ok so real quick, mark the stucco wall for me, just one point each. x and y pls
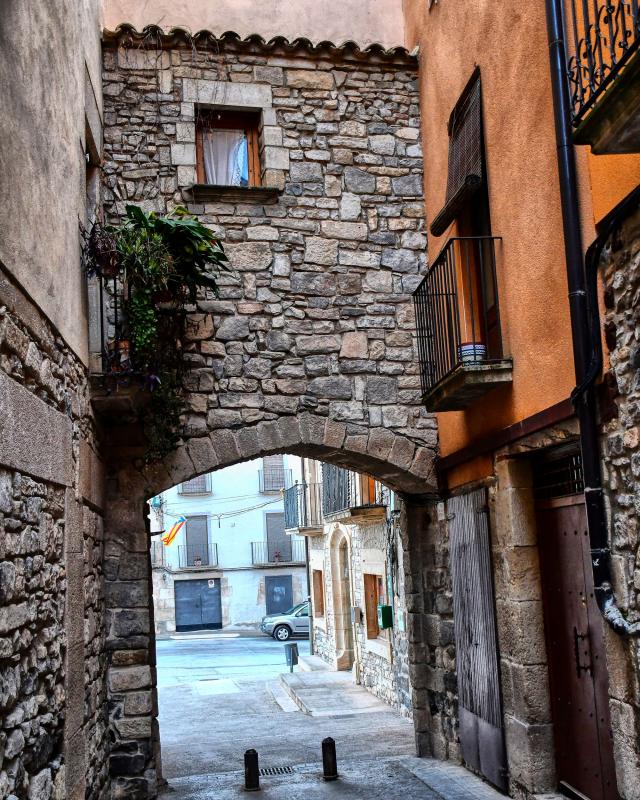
(363, 21)
(524, 198)
(43, 52)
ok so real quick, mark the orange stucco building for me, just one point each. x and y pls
(509, 438)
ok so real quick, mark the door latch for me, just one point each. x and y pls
(578, 639)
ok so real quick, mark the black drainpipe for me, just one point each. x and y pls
(584, 399)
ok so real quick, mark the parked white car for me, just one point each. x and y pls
(294, 622)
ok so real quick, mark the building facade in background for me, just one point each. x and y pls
(356, 569)
(232, 561)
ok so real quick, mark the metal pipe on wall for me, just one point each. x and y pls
(585, 401)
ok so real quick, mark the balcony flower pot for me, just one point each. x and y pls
(120, 355)
(197, 562)
(472, 352)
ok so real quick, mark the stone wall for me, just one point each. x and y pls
(621, 456)
(317, 314)
(52, 695)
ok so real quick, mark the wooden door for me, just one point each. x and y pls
(575, 649)
(480, 703)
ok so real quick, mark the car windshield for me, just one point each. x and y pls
(293, 610)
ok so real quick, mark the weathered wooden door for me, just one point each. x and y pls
(575, 649)
(480, 705)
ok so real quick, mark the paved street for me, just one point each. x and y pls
(220, 694)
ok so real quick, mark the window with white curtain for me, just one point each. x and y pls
(228, 149)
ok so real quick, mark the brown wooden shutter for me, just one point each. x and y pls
(466, 161)
(371, 605)
(318, 593)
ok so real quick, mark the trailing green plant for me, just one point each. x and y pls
(159, 262)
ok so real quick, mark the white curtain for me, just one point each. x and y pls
(225, 158)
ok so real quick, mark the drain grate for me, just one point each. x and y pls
(266, 771)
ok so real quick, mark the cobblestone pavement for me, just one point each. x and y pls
(220, 695)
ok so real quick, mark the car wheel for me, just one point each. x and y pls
(282, 633)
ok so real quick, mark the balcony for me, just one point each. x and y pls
(289, 551)
(603, 64)
(198, 556)
(303, 509)
(350, 495)
(158, 556)
(274, 479)
(458, 320)
(120, 386)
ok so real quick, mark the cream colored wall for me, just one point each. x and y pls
(363, 21)
(43, 52)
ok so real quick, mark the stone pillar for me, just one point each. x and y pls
(130, 641)
(520, 623)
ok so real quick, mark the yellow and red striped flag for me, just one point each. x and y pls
(173, 532)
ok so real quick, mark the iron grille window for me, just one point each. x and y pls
(199, 485)
(466, 164)
(558, 475)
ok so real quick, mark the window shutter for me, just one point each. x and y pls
(371, 605)
(197, 539)
(466, 162)
(277, 540)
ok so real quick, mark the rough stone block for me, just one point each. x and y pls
(321, 251)
(241, 95)
(126, 679)
(353, 231)
(249, 256)
(308, 79)
(183, 154)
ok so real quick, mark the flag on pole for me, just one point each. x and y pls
(175, 529)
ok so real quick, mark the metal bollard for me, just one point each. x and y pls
(251, 773)
(329, 761)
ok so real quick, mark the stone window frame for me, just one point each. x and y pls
(229, 96)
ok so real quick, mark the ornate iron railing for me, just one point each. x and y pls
(290, 552)
(457, 314)
(198, 555)
(605, 35)
(303, 506)
(343, 489)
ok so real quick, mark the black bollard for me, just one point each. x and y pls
(251, 774)
(329, 761)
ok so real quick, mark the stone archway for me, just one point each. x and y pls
(392, 458)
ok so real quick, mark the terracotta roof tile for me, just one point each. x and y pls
(154, 36)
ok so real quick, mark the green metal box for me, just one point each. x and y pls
(385, 617)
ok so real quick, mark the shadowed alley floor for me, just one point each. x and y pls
(220, 694)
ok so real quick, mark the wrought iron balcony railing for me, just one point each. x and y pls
(288, 551)
(458, 321)
(198, 555)
(345, 490)
(303, 506)
(606, 34)
(274, 479)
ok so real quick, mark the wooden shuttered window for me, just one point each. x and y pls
(371, 605)
(466, 155)
(318, 593)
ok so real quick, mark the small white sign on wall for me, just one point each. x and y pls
(211, 583)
